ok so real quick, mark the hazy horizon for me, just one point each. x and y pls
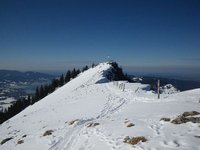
(168, 72)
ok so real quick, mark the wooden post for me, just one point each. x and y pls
(158, 89)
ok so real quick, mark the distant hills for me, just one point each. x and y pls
(16, 84)
(18, 76)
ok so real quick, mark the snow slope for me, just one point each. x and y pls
(69, 112)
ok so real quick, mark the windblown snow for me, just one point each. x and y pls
(91, 113)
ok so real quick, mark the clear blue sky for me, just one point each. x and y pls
(154, 35)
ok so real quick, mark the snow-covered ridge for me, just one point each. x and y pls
(90, 112)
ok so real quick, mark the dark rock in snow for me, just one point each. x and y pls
(6, 140)
(187, 117)
(165, 119)
(48, 132)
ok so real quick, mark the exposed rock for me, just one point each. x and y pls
(197, 136)
(191, 113)
(126, 139)
(20, 142)
(165, 119)
(180, 120)
(89, 125)
(130, 125)
(92, 124)
(48, 132)
(72, 122)
(6, 140)
(187, 117)
(96, 124)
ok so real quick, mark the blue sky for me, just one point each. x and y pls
(142, 35)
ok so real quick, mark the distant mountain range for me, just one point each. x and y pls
(16, 84)
(18, 76)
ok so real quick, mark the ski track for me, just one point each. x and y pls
(114, 104)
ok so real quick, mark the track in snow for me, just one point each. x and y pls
(113, 105)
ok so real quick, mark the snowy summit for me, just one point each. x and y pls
(92, 112)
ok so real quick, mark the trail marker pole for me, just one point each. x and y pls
(158, 89)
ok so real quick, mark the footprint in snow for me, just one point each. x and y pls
(156, 128)
(171, 144)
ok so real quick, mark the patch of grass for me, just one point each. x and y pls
(48, 132)
(134, 140)
(6, 140)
